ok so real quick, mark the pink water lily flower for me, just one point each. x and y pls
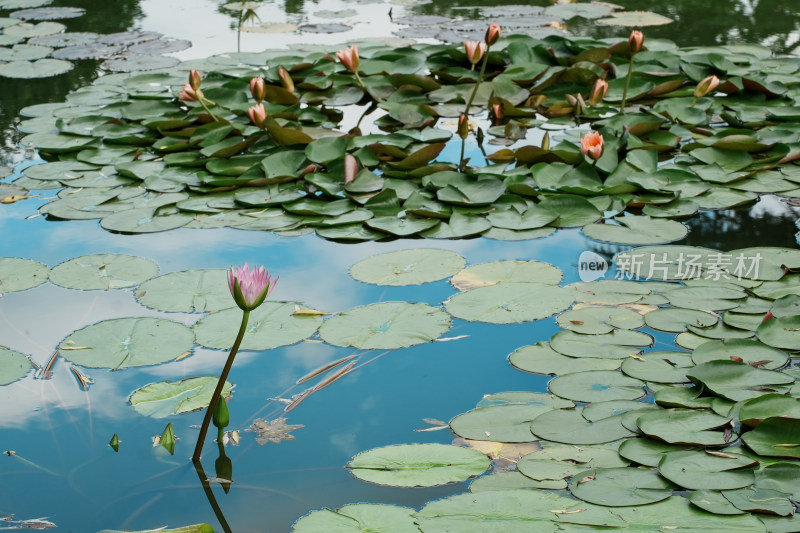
(188, 94)
(286, 79)
(258, 115)
(258, 89)
(475, 50)
(249, 287)
(635, 41)
(706, 86)
(598, 91)
(349, 58)
(492, 34)
(592, 145)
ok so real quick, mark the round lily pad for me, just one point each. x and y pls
(20, 274)
(270, 325)
(636, 19)
(484, 274)
(166, 398)
(759, 500)
(188, 291)
(139, 62)
(561, 461)
(637, 230)
(103, 271)
(597, 320)
(619, 344)
(676, 320)
(702, 470)
(42, 68)
(596, 386)
(617, 487)
(48, 13)
(143, 220)
(25, 29)
(775, 437)
(713, 501)
(781, 332)
(408, 267)
(513, 480)
(127, 342)
(752, 412)
(13, 366)
(542, 359)
(736, 380)
(386, 325)
(418, 465)
(645, 451)
(686, 427)
(500, 423)
(23, 4)
(747, 350)
(659, 367)
(509, 303)
(568, 426)
(358, 517)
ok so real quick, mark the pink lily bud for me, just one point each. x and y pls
(635, 41)
(249, 287)
(571, 100)
(258, 115)
(592, 145)
(492, 34)
(497, 109)
(313, 167)
(706, 86)
(195, 79)
(349, 58)
(598, 92)
(475, 50)
(350, 168)
(188, 94)
(286, 79)
(463, 126)
(258, 89)
(768, 316)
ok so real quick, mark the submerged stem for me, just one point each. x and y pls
(198, 449)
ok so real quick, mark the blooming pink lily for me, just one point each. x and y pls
(598, 92)
(492, 34)
(706, 86)
(592, 145)
(258, 89)
(190, 94)
(635, 41)
(258, 115)
(249, 287)
(475, 50)
(349, 58)
(286, 79)
(350, 168)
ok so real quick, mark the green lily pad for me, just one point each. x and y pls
(637, 230)
(686, 427)
(737, 381)
(13, 366)
(408, 267)
(676, 320)
(103, 271)
(714, 502)
(500, 423)
(748, 350)
(165, 398)
(568, 426)
(143, 220)
(562, 461)
(752, 412)
(702, 470)
(636, 19)
(617, 487)
(542, 359)
(504, 481)
(358, 517)
(758, 500)
(659, 367)
(599, 320)
(127, 342)
(189, 291)
(21, 274)
(781, 332)
(645, 451)
(596, 386)
(41, 68)
(509, 303)
(386, 325)
(484, 274)
(619, 344)
(775, 437)
(270, 325)
(418, 465)
(197, 528)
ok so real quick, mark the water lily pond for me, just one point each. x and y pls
(487, 318)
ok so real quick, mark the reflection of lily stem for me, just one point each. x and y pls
(203, 101)
(370, 108)
(198, 466)
(198, 449)
(627, 84)
(480, 80)
(239, 31)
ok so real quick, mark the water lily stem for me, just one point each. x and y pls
(203, 101)
(461, 158)
(361, 83)
(478, 84)
(198, 449)
(694, 102)
(627, 84)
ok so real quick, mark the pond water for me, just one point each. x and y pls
(62, 466)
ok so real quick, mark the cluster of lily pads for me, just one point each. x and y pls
(32, 45)
(128, 152)
(627, 439)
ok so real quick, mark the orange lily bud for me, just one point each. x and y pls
(286, 79)
(475, 50)
(598, 92)
(492, 34)
(349, 58)
(258, 115)
(635, 41)
(463, 126)
(592, 145)
(706, 86)
(497, 109)
(195, 79)
(258, 89)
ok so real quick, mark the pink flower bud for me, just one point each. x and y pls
(286, 79)
(598, 92)
(635, 41)
(475, 50)
(349, 58)
(189, 94)
(497, 109)
(463, 126)
(768, 316)
(310, 169)
(706, 86)
(350, 168)
(592, 145)
(249, 287)
(195, 79)
(258, 89)
(492, 34)
(258, 115)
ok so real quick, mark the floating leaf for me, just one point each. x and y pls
(596, 386)
(13, 366)
(775, 437)
(358, 517)
(103, 271)
(484, 274)
(188, 291)
(636, 19)
(686, 426)
(509, 303)
(21, 274)
(165, 398)
(501, 423)
(618, 487)
(570, 427)
(408, 267)
(701, 470)
(637, 230)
